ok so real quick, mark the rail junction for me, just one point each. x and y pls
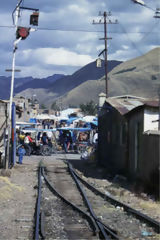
(86, 212)
(57, 202)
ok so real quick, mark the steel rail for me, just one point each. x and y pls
(42, 225)
(104, 230)
(150, 221)
(38, 203)
(54, 191)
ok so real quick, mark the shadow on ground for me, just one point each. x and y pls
(89, 169)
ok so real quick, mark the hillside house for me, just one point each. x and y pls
(129, 138)
(27, 108)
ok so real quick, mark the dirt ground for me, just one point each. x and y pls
(18, 194)
(17, 200)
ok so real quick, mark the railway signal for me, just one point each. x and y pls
(34, 18)
(22, 32)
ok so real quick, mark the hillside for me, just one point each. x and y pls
(85, 92)
(23, 85)
(139, 77)
(37, 83)
(48, 91)
(88, 72)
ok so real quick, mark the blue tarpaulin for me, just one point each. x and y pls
(32, 120)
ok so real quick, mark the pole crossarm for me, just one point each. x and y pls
(10, 70)
(105, 38)
(32, 9)
(108, 22)
(157, 13)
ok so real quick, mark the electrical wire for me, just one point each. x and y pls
(84, 30)
(89, 31)
(132, 42)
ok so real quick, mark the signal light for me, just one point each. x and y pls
(22, 32)
(34, 18)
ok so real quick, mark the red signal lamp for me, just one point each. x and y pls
(22, 32)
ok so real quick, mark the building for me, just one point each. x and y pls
(27, 108)
(129, 138)
(4, 108)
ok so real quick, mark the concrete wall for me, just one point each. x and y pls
(150, 119)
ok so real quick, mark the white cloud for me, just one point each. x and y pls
(37, 71)
(57, 56)
(76, 9)
(45, 52)
(125, 47)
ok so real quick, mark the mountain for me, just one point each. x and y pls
(20, 81)
(88, 72)
(48, 91)
(35, 83)
(54, 78)
(22, 84)
(139, 76)
(85, 92)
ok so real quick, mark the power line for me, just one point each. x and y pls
(84, 30)
(70, 30)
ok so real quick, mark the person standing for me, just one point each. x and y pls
(27, 141)
(44, 139)
(21, 153)
(95, 139)
(66, 140)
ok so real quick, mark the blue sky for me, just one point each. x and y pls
(66, 39)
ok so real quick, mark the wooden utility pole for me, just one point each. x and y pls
(105, 15)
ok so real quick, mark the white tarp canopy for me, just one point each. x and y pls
(62, 118)
(89, 118)
(53, 117)
(43, 116)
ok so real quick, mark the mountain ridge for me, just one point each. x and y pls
(139, 76)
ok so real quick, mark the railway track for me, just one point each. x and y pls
(107, 219)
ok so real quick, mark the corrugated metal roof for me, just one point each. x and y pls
(152, 132)
(125, 104)
(152, 103)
